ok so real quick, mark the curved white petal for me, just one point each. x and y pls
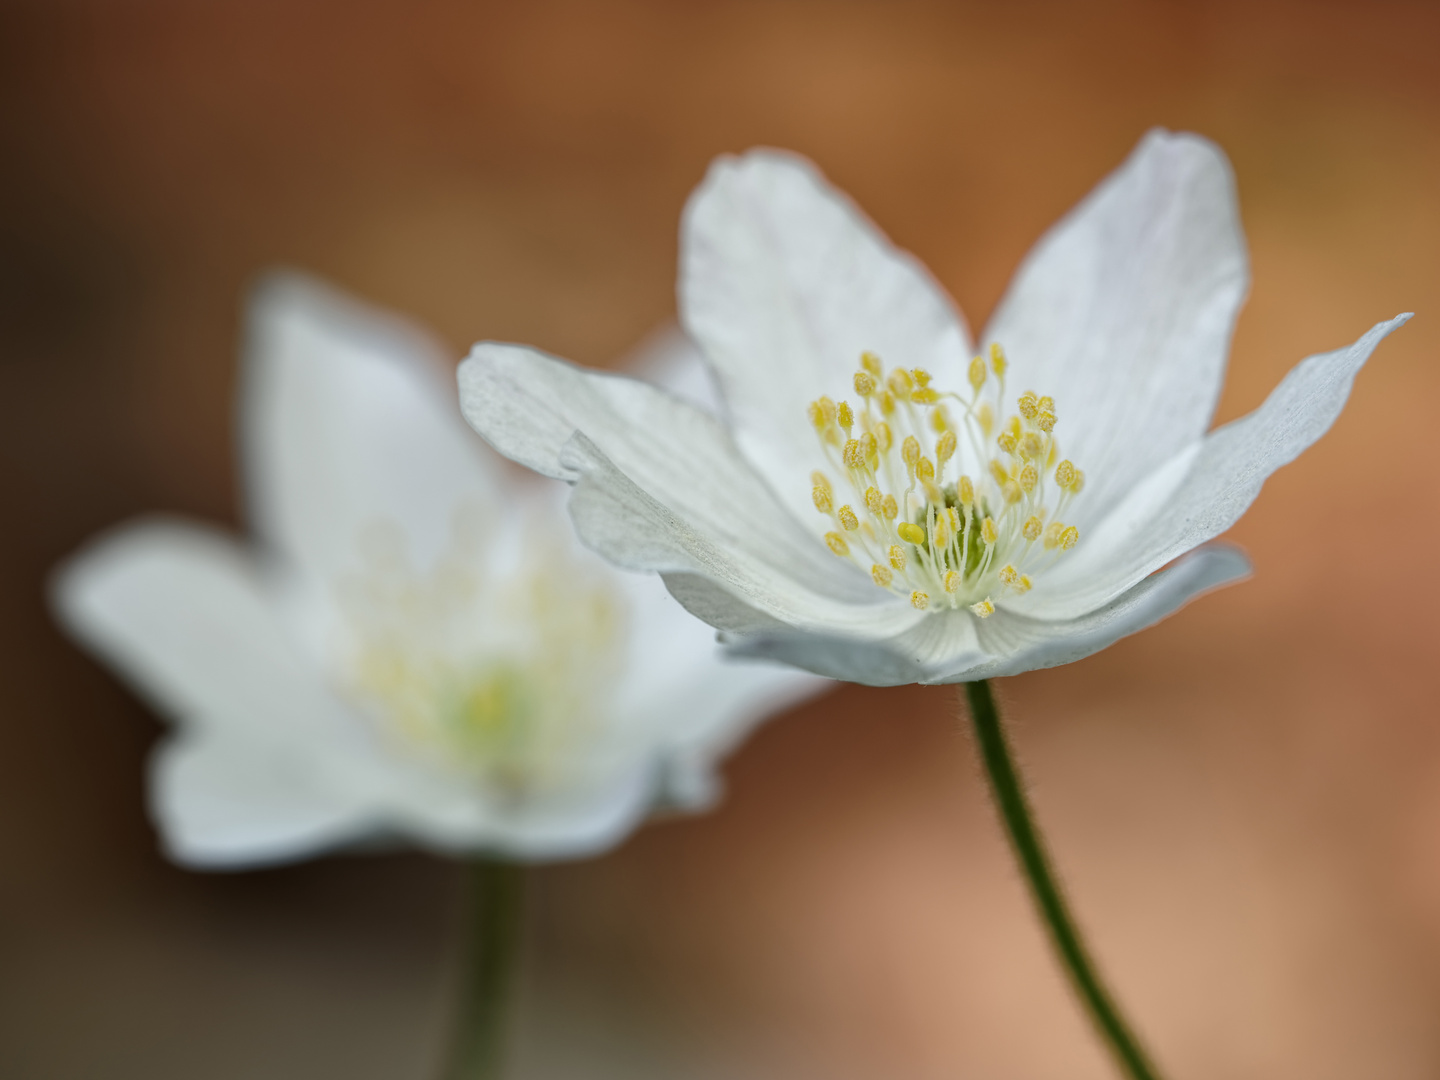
(349, 420)
(954, 647)
(691, 703)
(181, 613)
(1123, 313)
(228, 801)
(783, 284)
(660, 486)
(1204, 488)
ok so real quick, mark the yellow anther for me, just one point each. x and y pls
(925, 469)
(897, 556)
(940, 534)
(988, 532)
(900, 382)
(1045, 421)
(824, 502)
(872, 500)
(1032, 528)
(910, 452)
(1069, 538)
(1053, 532)
(997, 359)
(1023, 585)
(1065, 473)
(1009, 575)
(887, 402)
(819, 479)
(1031, 445)
(1028, 405)
(999, 471)
(889, 507)
(940, 419)
(864, 383)
(954, 517)
(919, 600)
(816, 415)
(848, 519)
(871, 363)
(985, 417)
(853, 455)
(883, 575)
(1046, 404)
(1029, 477)
(953, 581)
(836, 543)
(966, 488)
(977, 372)
(1078, 484)
(926, 395)
(1011, 492)
(984, 609)
(871, 448)
(911, 533)
(883, 439)
(944, 448)
(921, 376)
(1006, 442)
(845, 416)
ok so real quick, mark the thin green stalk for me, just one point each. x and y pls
(1030, 851)
(477, 1050)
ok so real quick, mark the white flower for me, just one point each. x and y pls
(1058, 485)
(417, 647)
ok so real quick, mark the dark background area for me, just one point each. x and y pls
(1245, 801)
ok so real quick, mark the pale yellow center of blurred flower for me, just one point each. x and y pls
(503, 677)
(925, 530)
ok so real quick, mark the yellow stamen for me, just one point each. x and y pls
(824, 501)
(997, 359)
(911, 533)
(1032, 528)
(984, 609)
(977, 372)
(883, 575)
(864, 383)
(889, 507)
(919, 600)
(871, 363)
(896, 555)
(848, 519)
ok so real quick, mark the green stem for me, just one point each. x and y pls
(1030, 851)
(477, 1051)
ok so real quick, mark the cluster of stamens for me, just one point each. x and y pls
(925, 528)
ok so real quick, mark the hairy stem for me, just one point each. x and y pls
(477, 1049)
(1029, 848)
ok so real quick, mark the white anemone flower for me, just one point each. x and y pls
(886, 501)
(415, 647)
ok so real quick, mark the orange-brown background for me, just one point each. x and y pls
(1245, 801)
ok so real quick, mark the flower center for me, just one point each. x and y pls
(926, 529)
(500, 674)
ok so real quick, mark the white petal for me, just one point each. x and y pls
(180, 612)
(691, 703)
(223, 801)
(783, 284)
(955, 647)
(659, 486)
(1204, 489)
(1123, 313)
(349, 420)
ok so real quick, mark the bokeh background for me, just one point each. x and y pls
(1244, 801)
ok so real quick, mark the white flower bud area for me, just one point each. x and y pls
(499, 674)
(942, 497)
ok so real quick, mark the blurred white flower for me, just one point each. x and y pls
(961, 516)
(416, 647)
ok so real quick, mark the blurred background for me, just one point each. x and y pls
(1244, 801)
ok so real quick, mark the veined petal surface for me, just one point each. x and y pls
(1205, 487)
(660, 486)
(1123, 312)
(783, 284)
